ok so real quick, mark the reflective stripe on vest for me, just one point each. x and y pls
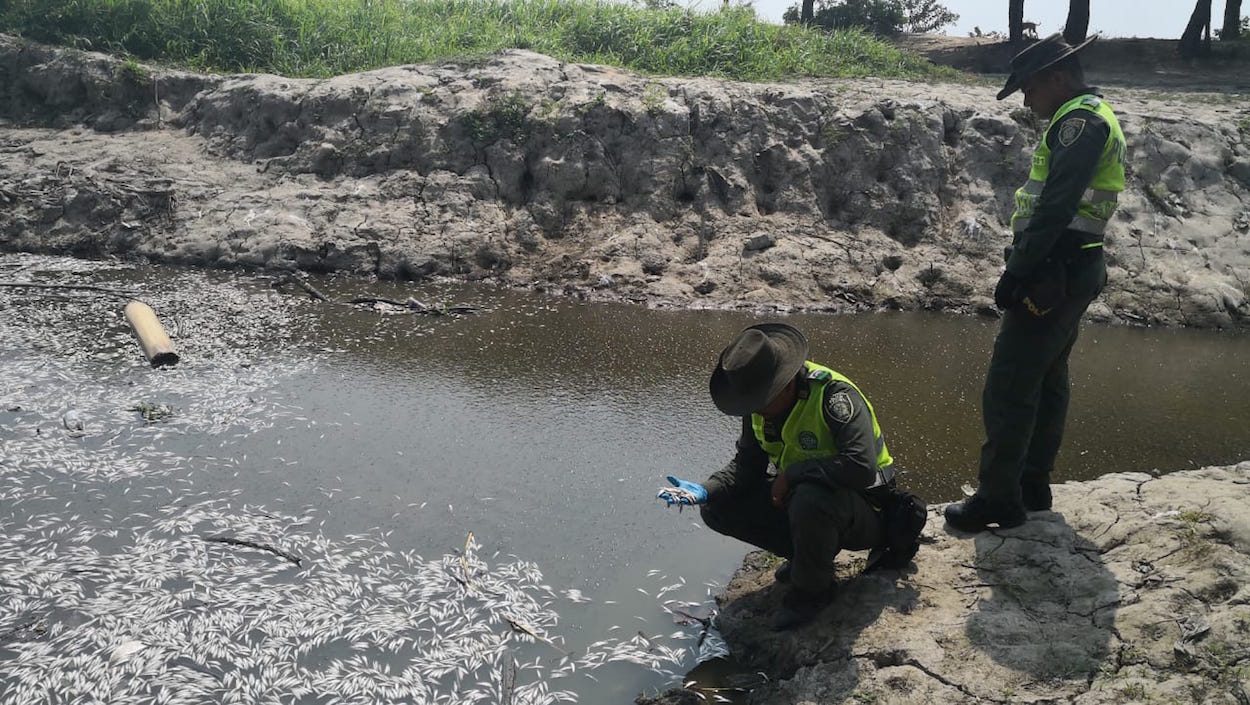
(805, 435)
(1100, 200)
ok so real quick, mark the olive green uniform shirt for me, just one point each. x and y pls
(1072, 168)
(854, 467)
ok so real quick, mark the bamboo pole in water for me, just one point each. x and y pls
(156, 345)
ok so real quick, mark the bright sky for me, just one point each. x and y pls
(1159, 19)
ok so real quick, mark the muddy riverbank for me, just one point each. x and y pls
(1133, 590)
(826, 195)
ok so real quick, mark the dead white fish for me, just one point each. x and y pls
(72, 421)
(125, 650)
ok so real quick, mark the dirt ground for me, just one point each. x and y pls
(1137, 63)
(832, 195)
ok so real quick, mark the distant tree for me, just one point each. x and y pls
(1232, 20)
(926, 15)
(1191, 43)
(799, 14)
(1077, 26)
(1015, 21)
(880, 17)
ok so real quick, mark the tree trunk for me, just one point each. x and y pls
(805, 17)
(1077, 26)
(1015, 21)
(1191, 40)
(1232, 20)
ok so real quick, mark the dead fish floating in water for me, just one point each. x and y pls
(125, 650)
(161, 612)
(72, 420)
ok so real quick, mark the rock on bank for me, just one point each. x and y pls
(528, 171)
(1136, 589)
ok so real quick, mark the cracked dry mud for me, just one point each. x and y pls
(1134, 589)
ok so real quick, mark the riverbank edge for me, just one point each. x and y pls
(590, 181)
(1136, 588)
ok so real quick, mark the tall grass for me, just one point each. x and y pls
(327, 37)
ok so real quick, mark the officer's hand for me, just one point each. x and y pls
(682, 492)
(1007, 293)
(780, 488)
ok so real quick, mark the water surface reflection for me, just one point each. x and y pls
(1142, 398)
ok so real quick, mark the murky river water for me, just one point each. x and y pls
(153, 559)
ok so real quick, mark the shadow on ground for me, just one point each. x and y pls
(1052, 604)
(752, 597)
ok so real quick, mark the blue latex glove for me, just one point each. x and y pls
(683, 492)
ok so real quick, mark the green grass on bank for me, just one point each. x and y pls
(329, 37)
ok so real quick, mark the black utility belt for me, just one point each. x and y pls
(1072, 247)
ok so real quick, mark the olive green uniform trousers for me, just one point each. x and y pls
(1025, 401)
(816, 522)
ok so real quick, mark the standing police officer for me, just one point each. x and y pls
(821, 436)
(1055, 268)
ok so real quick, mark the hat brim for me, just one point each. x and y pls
(792, 351)
(1014, 81)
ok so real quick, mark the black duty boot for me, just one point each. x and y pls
(1036, 496)
(799, 607)
(976, 514)
(782, 574)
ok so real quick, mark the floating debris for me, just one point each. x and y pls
(358, 620)
(116, 579)
(153, 412)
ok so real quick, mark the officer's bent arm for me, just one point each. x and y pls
(748, 466)
(1072, 170)
(855, 465)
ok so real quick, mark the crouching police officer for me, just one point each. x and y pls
(809, 462)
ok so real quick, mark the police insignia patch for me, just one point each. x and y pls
(840, 407)
(808, 441)
(1072, 129)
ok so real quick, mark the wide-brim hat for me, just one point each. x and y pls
(756, 366)
(1038, 56)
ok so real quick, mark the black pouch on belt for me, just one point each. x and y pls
(1047, 288)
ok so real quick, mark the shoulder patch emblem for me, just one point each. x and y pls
(840, 407)
(1072, 129)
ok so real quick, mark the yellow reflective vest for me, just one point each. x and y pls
(805, 434)
(1101, 197)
